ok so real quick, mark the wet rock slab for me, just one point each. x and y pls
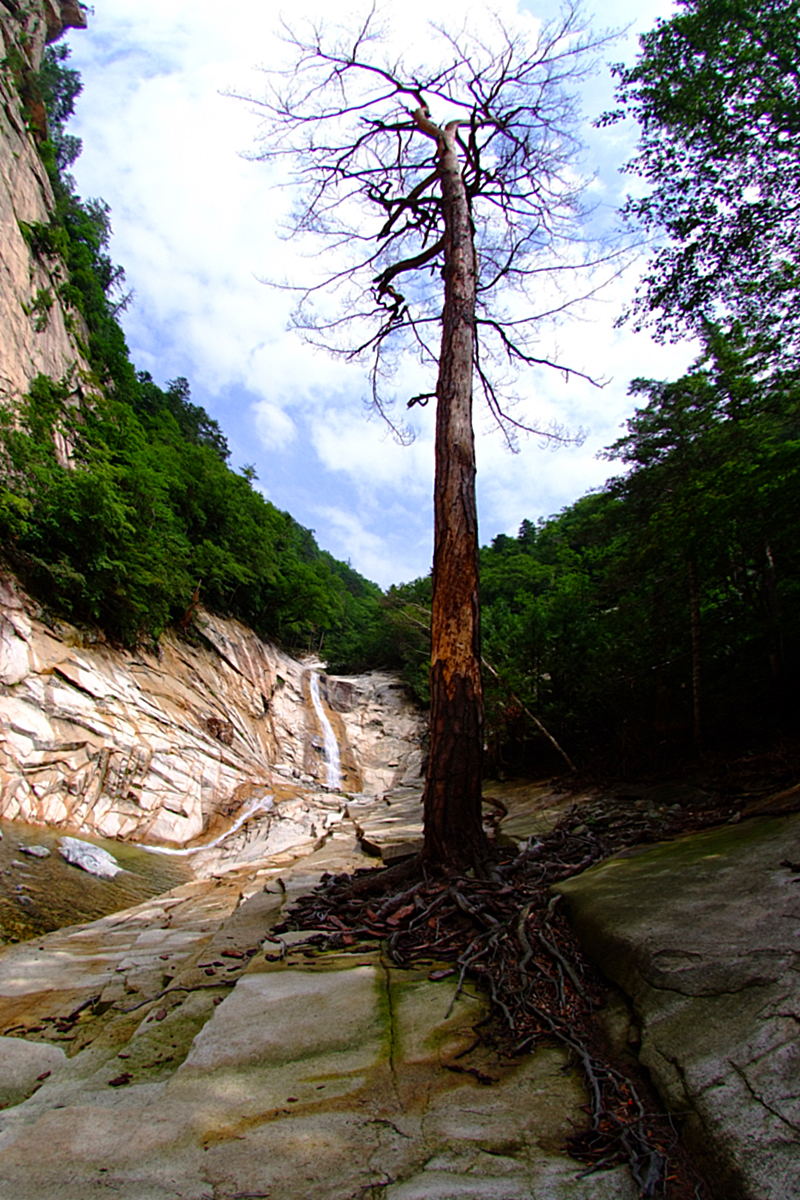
(312, 1082)
(312, 1076)
(703, 937)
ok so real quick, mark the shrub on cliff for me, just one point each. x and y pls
(120, 509)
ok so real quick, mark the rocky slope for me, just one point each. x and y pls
(176, 746)
(183, 1051)
(36, 332)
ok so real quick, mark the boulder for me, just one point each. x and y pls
(701, 936)
(89, 858)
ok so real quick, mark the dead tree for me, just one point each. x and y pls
(468, 171)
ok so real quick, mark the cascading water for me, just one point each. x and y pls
(263, 804)
(332, 761)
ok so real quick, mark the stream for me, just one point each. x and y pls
(38, 895)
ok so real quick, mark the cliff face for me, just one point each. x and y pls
(182, 744)
(175, 746)
(35, 334)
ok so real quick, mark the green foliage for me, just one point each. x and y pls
(45, 241)
(587, 616)
(59, 87)
(145, 513)
(39, 308)
(407, 632)
(715, 91)
(193, 423)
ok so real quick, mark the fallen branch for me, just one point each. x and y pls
(515, 698)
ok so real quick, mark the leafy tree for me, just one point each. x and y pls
(194, 423)
(715, 485)
(467, 172)
(60, 87)
(716, 92)
(660, 615)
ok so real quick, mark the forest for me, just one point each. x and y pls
(660, 616)
(652, 621)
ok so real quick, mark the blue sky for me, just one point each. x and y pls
(196, 226)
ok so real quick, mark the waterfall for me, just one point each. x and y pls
(333, 765)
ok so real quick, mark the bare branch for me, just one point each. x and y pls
(365, 135)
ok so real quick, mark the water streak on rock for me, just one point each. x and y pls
(333, 765)
(263, 804)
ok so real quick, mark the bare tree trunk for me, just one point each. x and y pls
(694, 601)
(776, 655)
(452, 801)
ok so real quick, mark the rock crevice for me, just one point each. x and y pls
(719, 1036)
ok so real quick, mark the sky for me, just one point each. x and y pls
(197, 226)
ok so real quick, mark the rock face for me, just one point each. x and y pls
(701, 935)
(208, 1057)
(170, 747)
(35, 330)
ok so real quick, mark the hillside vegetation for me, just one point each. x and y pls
(147, 517)
(659, 616)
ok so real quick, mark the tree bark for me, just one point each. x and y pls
(452, 801)
(776, 655)
(697, 710)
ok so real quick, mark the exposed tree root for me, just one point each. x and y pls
(509, 935)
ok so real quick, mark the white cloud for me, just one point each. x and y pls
(276, 428)
(348, 440)
(353, 541)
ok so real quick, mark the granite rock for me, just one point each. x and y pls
(92, 859)
(128, 745)
(701, 936)
(311, 1076)
(32, 340)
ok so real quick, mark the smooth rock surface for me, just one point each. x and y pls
(22, 1066)
(203, 1065)
(92, 859)
(703, 936)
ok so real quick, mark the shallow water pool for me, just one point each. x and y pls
(38, 895)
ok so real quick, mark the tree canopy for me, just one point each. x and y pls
(716, 93)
